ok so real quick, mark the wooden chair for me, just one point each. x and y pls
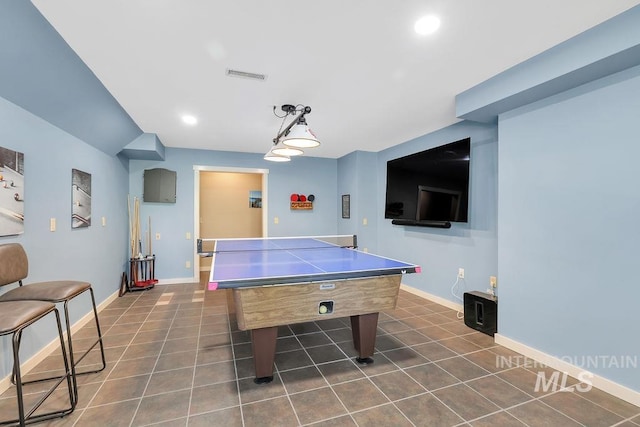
(61, 291)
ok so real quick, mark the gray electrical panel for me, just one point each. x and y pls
(159, 186)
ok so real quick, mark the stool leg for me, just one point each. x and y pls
(18, 336)
(70, 345)
(26, 417)
(18, 377)
(98, 341)
(66, 364)
(71, 356)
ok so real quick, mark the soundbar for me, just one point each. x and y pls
(435, 224)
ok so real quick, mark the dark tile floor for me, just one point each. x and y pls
(175, 358)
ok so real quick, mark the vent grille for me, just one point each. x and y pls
(246, 75)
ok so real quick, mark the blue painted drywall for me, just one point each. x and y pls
(303, 175)
(147, 146)
(95, 254)
(606, 49)
(43, 75)
(348, 173)
(440, 252)
(357, 177)
(568, 220)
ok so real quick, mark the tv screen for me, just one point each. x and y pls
(432, 185)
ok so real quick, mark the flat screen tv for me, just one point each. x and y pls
(430, 186)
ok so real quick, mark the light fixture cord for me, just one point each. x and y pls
(298, 108)
(275, 140)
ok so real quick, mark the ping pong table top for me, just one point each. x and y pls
(274, 261)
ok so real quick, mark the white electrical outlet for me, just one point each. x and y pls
(187, 264)
(157, 236)
(52, 224)
(276, 220)
(461, 273)
(188, 236)
(493, 281)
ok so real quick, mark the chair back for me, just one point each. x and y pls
(14, 264)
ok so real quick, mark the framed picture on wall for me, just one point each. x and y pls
(11, 192)
(255, 199)
(81, 199)
(346, 206)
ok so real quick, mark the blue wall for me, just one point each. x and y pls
(357, 177)
(568, 219)
(440, 252)
(95, 254)
(42, 74)
(303, 175)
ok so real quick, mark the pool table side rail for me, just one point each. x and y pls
(267, 306)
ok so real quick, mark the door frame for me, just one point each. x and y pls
(196, 204)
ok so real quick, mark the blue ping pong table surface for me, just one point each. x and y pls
(259, 262)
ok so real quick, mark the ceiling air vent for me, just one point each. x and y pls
(246, 75)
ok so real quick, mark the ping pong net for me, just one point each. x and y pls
(207, 247)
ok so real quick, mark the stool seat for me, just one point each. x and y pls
(53, 291)
(20, 313)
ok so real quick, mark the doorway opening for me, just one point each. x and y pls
(228, 203)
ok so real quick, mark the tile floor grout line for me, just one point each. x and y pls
(195, 363)
(115, 363)
(145, 304)
(135, 413)
(235, 364)
(325, 379)
(368, 377)
(286, 392)
(425, 388)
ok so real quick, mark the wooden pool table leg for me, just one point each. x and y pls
(263, 344)
(363, 328)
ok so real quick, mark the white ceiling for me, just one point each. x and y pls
(369, 79)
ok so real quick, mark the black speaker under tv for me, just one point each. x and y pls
(431, 186)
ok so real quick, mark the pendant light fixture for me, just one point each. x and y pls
(295, 136)
(273, 157)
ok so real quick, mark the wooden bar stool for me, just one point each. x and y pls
(61, 291)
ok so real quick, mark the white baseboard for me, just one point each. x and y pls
(178, 281)
(442, 301)
(33, 361)
(601, 383)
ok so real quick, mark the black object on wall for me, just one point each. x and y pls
(481, 312)
(434, 224)
(159, 186)
(432, 185)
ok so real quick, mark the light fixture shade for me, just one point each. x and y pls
(273, 157)
(283, 150)
(300, 136)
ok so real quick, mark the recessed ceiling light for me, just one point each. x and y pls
(428, 24)
(189, 119)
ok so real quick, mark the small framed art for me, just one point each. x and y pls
(346, 206)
